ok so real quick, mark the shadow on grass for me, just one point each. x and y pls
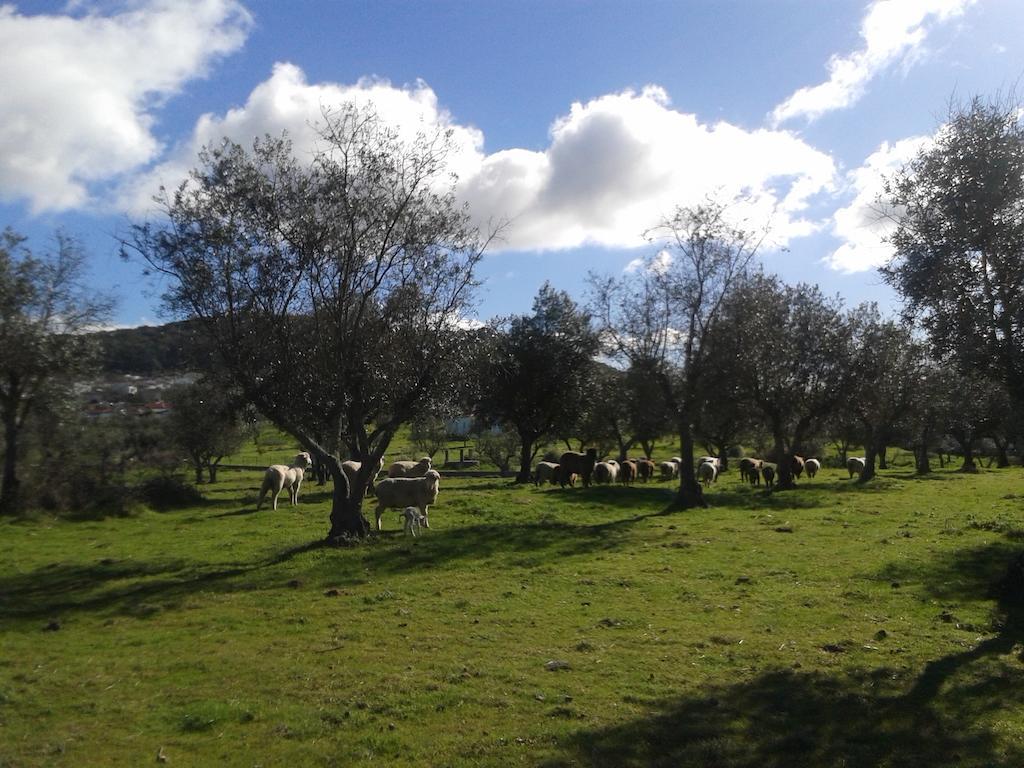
(787, 719)
(948, 715)
(58, 588)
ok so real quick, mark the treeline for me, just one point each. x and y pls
(149, 350)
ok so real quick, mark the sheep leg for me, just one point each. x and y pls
(380, 512)
(426, 520)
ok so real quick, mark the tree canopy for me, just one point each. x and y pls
(332, 285)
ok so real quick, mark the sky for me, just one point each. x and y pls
(581, 123)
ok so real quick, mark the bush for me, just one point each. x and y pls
(166, 492)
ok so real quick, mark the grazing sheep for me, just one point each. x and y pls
(707, 473)
(645, 469)
(710, 460)
(768, 470)
(796, 464)
(279, 477)
(855, 465)
(545, 472)
(410, 468)
(562, 476)
(749, 466)
(576, 463)
(627, 472)
(811, 466)
(402, 492)
(606, 472)
(351, 469)
(669, 470)
(412, 520)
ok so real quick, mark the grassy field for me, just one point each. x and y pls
(829, 626)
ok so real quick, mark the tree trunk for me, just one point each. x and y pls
(1002, 455)
(882, 463)
(690, 493)
(969, 464)
(784, 469)
(922, 464)
(347, 518)
(199, 473)
(723, 459)
(212, 469)
(9, 490)
(525, 459)
(648, 446)
(870, 454)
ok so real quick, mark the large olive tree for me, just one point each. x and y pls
(958, 208)
(331, 281)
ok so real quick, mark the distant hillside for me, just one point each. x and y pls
(150, 350)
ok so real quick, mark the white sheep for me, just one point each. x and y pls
(410, 468)
(811, 467)
(710, 460)
(277, 477)
(545, 472)
(707, 472)
(669, 470)
(606, 471)
(351, 469)
(855, 465)
(401, 492)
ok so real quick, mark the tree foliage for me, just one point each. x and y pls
(332, 285)
(538, 374)
(207, 422)
(44, 309)
(959, 239)
(659, 317)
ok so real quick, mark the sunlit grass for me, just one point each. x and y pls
(832, 625)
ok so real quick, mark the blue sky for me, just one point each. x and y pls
(584, 122)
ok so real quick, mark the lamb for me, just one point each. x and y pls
(545, 472)
(412, 520)
(811, 466)
(351, 469)
(401, 492)
(707, 473)
(278, 477)
(410, 468)
(855, 465)
(627, 472)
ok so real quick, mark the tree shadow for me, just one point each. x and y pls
(123, 585)
(784, 718)
(781, 719)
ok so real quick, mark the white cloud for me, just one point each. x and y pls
(619, 163)
(79, 91)
(865, 224)
(893, 31)
(614, 167)
(286, 102)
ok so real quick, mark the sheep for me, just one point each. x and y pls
(351, 469)
(412, 520)
(796, 464)
(410, 468)
(811, 466)
(606, 471)
(710, 460)
(768, 470)
(645, 469)
(563, 476)
(627, 472)
(278, 477)
(576, 463)
(707, 473)
(669, 470)
(402, 492)
(855, 465)
(750, 469)
(545, 472)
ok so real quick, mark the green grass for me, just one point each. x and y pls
(833, 625)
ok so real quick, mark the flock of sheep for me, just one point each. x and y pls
(412, 486)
